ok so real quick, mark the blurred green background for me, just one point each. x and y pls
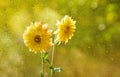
(94, 51)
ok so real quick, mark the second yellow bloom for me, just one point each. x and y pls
(66, 28)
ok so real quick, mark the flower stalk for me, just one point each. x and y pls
(42, 58)
(53, 51)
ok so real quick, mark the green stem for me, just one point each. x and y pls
(42, 57)
(51, 71)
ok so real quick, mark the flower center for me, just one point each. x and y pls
(37, 38)
(67, 29)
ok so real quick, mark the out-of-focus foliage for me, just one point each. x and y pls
(94, 51)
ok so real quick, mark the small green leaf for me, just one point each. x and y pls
(41, 75)
(58, 69)
(45, 57)
(48, 61)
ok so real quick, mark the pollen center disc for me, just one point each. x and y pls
(37, 39)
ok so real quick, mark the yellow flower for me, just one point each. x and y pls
(66, 28)
(37, 37)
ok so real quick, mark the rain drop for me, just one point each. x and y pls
(101, 27)
(112, 59)
(107, 52)
(89, 47)
(94, 5)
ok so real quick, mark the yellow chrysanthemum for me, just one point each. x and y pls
(37, 37)
(65, 30)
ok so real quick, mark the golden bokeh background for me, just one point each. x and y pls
(94, 51)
